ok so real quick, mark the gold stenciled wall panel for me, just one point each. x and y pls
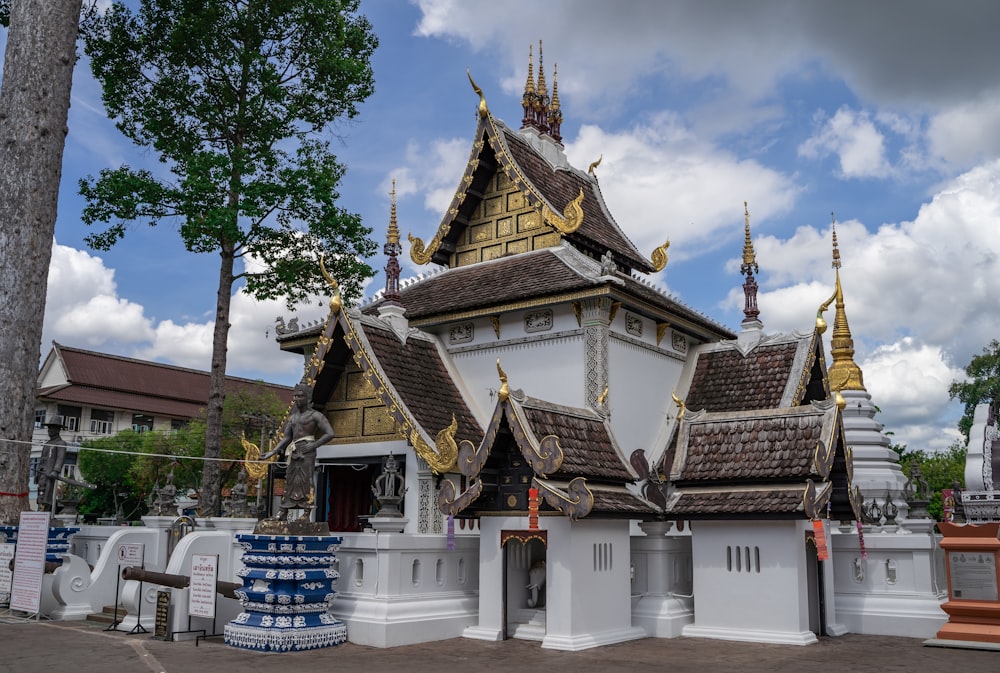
(503, 224)
(355, 413)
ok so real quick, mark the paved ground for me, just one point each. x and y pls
(81, 647)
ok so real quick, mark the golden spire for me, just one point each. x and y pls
(844, 373)
(749, 258)
(554, 105)
(393, 235)
(504, 393)
(541, 101)
(529, 86)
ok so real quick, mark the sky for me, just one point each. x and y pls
(885, 114)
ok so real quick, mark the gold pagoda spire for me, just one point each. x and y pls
(749, 267)
(844, 373)
(529, 86)
(543, 94)
(555, 113)
(392, 249)
(392, 236)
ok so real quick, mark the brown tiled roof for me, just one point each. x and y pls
(726, 380)
(619, 502)
(559, 187)
(588, 449)
(526, 276)
(751, 447)
(422, 382)
(697, 503)
(100, 379)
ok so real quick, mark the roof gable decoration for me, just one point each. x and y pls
(569, 221)
(442, 455)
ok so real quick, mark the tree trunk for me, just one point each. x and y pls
(211, 485)
(34, 104)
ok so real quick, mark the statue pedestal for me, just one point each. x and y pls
(972, 558)
(388, 524)
(287, 592)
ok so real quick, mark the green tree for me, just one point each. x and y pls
(108, 464)
(982, 385)
(34, 105)
(237, 98)
(941, 470)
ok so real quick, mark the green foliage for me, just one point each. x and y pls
(982, 386)
(233, 97)
(110, 470)
(941, 470)
(4, 13)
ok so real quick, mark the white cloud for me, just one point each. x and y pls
(851, 136)
(966, 133)
(706, 185)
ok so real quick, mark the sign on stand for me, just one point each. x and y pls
(130, 555)
(6, 556)
(201, 590)
(29, 561)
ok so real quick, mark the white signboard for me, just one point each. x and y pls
(29, 561)
(130, 555)
(6, 556)
(201, 591)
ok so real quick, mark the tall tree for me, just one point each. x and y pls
(982, 385)
(237, 97)
(34, 105)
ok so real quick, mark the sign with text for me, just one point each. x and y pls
(973, 575)
(29, 561)
(161, 629)
(6, 556)
(201, 590)
(130, 554)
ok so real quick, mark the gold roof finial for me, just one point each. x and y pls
(836, 250)
(504, 393)
(393, 235)
(542, 92)
(554, 105)
(529, 86)
(844, 373)
(749, 257)
(483, 110)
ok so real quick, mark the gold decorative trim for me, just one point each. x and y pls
(659, 257)
(504, 393)
(578, 311)
(613, 311)
(422, 255)
(571, 219)
(443, 459)
(547, 458)
(495, 319)
(603, 397)
(661, 331)
(595, 164)
(523, 536)
(680, 405)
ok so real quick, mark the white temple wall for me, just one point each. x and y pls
(641, 378)
(397, 589)
(549, 368)
(766, 600)
(587, 582)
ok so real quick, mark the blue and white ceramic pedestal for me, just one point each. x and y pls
(287, 591)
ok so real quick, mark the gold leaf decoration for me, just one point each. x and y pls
(571, 219)
(255, 468)
(659, 257)
(443, 459)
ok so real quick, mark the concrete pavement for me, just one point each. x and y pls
(82, 647)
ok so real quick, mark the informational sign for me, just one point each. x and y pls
(29, 561)
(161, 628)
(130, 554)
(201, 590)
(948, 504)
(6, 556)
(973, 575)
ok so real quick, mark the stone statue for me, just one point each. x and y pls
(305, 431)
(608, 266)
(389, 489)
(536, 582)
(164, 504)
(50, 466)
(238, 496)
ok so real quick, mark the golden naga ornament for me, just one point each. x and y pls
(595, 164)
(443, 459)
(659, 257)
(571, 219)
(336, 301)
(254, 466)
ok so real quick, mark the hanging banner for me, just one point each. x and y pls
(201, 590)
(29, 561)
(822, 552)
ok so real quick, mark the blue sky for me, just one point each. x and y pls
(885, 113)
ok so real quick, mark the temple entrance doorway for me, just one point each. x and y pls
(814, 577)
(347, 500)
(524, 584)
